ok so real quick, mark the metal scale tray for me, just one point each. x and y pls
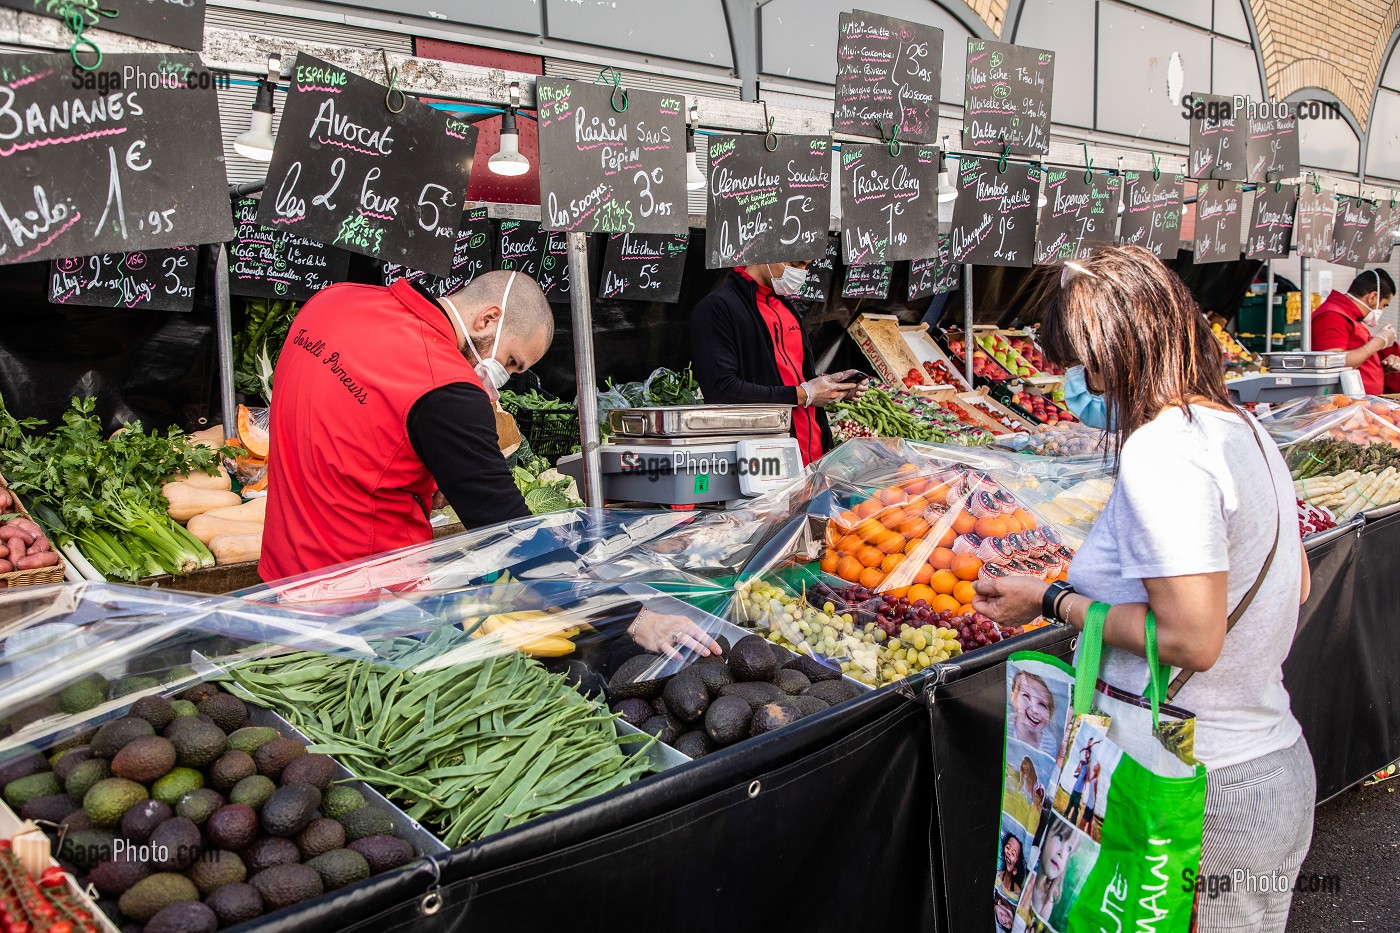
(691, 421)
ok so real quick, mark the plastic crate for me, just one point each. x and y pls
(550, 433)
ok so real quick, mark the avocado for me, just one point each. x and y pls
(808, 705)
(633, 711)
(19, 792)
(20, 761)
(752, 659)
(230, 768)
(250, 738)
(76, 821)
(289, 809)
(235, 903)
(659, 707)
(754, 692)
(781, 656)
(197, 743)
(74, 740)
(33, 713)
(815, 670)
(177, 784)
(200, 692)
(791, 682)
(340, 799)
(85, 848)
(86, 774)
(832, 691)
(232, 826)
(143, 818)
(273, 757)
(176, 844)
(666, 728)
(184, 917)
(216, 868)
(253, 791)
(320, 836)
(144, 759)
(269, 851)
(152, 894)
(694, 744)
(284, 885)
(339, 867)
(228, 711)
(114, 736)
(714, 676)
(50, 808)
(65, 762)
(383, 852)
(369, 820)
(727, 719)
(178, 674)
(772, 716)
(113, 876)
(81, 697)
(134, 684)
(635, 677)
(155, 709)
(316, 770)
(199, 804)
(183, 708)
(724, 647)
(686, 696)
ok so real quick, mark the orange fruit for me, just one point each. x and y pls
(942, 603)
(919, 591)
(891, 517)
(913, 527)
(849, 569)
(943, 581)
(830, 562)
(891, 542)
(849, 544)
(871, 577)
(901, 591)
(964, 611)
(907, 468)
(964, 591)
(963, 522)
(869, 529)
(938, 492)
(946, 539)
(869, 556)
(941, 558)
(846, 520)
(891, 496)
(868, 508)
(831, 536)
(915, 486)
(891, 563)
(916, 505)
(912, 546)
(1026, 519)
(993, 526)
(923, 574)
(966, 566)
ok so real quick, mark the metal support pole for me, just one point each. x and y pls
(580, 303)
(1269, 312)
(1305, 309)
(967, 322)
(223, 334)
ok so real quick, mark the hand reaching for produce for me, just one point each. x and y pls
(1010, 600)
(825, 389)
(1387, 335)
(1392, 363)
(664, 634)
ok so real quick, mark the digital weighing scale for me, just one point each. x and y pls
(694, 454)
(1296, 375)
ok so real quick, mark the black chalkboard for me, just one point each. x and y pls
(872, 281)
(1079, 216)
(994, 215)
(820, 273)
(1313, 222)
(937, 275)
(173, 22)
(1219, 139)
(1353, 232)
(888, 75)
(1272, 147)
(644, 267)
(105, 169)
(275, 263)
(1219, 219)
(889, 203)
(471, 256)
(1383, 240)
(1007, 97)
(610, 172)
(350, 173)
(160, 279)
(767, 206)
(1270, 234)
(553, 275)
(1151, 213)
(521, 246)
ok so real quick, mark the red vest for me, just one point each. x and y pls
(1337, 325)
(343, 480)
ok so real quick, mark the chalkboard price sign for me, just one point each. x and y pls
(607, 171)
(128, 164)
(888, 75)
(159, 279)
(1272, 149)
(553, 276)
(349, 172)
(1219, 219)
(521, 247)
(1219, 139)
(275, 263)
(1078, 217)
(935, 276)
(173, 22)
(1271, 228)
(644, 267)
(1313, 222)
(872, 281)
(820, 273)
(1151, 213)
(471, 256)
(1353, 232)
(1382, 242)
(889, 208)
(1007, 97)
(994, 215)
(767, 206)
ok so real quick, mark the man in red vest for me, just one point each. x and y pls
(1343, 323)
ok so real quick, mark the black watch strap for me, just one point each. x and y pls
(1052, 595)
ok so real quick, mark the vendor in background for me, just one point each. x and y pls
(1343, 323)
(749, 348)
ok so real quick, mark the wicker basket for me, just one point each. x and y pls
(52, 574)
(551, 433)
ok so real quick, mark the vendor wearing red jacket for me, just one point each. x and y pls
(1343, 323)
(749, 348)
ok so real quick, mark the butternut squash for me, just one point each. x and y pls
(236, 548)
(206, 527)
(210, 437)
(254, 510)
(220, 480)
(188, 501)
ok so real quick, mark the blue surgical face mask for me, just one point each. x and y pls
(1083, 404)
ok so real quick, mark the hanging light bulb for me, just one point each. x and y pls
(508, 160)
(694, 178)
(946, 191)
(257, 143)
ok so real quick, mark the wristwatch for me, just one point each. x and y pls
(1048, 602)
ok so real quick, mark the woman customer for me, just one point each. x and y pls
(1203, 508)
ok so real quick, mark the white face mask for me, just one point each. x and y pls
(790, 282)
(490, 369)
(1374, 317)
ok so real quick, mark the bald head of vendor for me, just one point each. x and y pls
(500, 344)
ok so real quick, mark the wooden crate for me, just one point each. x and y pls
(926, 350)
(43, 575)
(982, 400)
(879, 338)
(10, 824)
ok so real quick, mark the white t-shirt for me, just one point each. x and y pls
(1196, 497)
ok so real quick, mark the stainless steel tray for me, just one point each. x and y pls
(1299, 360)
(700, 420)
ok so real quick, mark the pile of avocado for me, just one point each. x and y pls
(749, 689)
(185, 819)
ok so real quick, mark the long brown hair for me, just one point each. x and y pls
(1138, 332)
